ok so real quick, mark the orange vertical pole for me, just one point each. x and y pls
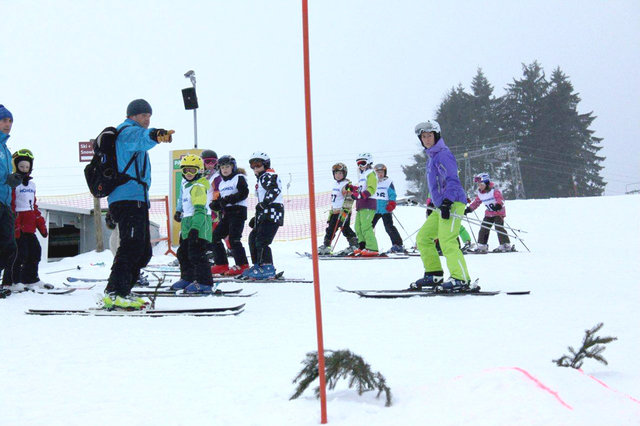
(312, 212)
(166, 205)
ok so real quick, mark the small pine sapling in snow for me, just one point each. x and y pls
(340, 365)
(592, 347)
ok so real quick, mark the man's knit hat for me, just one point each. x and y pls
(139, 106)
(5, 113)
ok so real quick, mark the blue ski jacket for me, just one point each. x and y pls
(133, 139)
(5, 170)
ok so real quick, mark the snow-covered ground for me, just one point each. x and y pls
(466, 360)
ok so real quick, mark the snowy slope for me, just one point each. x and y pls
(466, 360)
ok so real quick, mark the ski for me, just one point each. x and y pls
(494, 251)
(159, 268)
(171, 293)
(97, 280)
(80, 286)
(405, 293)
(348, 257)
(208, 312)
(55, 291)
(278, 278)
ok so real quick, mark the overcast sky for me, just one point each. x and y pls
(69, 68)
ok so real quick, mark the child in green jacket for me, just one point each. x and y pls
(195, 234)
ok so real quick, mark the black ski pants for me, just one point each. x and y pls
(134, 252)
(7, 240)
(24, 265)
(483, 235)
(232, 226)
(259, 239)
(392, 231)
(192, 255)
(332, 229)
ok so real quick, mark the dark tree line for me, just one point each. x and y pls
(557, 149)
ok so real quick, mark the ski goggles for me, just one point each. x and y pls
(256, 164)
(209, 161)
(23, 153)
(189, 170)
(361, 163)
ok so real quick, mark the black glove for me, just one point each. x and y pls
(496, 207)
(108, 220)
(430, 208)
(445, 209)
(161, 135)
(259, 208)
(215, 205)
(193, 234)
(252, 222)
(14, 179)
(467, 210)
(224, 201)
(178, 216)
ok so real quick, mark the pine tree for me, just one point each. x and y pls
(454, 117)
(592, 347)
(573, 156)
(522, 111)
(341, 364)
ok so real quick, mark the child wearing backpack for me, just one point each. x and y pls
(195, 233)
(24, 266)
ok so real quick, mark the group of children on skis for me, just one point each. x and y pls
(212, 206)
(375, 199)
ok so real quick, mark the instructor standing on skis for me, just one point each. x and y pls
(8, 180)
(129, 204)
(448, 196)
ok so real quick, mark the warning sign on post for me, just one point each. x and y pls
(85, 151)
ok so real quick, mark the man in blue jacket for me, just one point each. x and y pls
(449, 197)
(129, 204)
(8, 181)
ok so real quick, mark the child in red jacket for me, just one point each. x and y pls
(24, 269)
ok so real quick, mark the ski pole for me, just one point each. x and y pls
(341, 220)
(471, 230)
(525, 246)
(65, 270)
(481, 225)
(479, 221)
(399, 223)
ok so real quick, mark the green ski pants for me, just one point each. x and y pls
(446, 231)
(364, 228)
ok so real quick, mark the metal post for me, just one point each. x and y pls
(195, 126)
(191, 75)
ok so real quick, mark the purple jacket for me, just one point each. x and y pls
(442, 175)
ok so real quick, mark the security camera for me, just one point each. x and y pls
(189, 74)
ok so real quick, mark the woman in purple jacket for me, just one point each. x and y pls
(450, 200)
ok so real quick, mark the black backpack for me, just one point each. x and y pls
(102, 173)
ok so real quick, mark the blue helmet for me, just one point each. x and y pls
(228, 160)
(482, 177)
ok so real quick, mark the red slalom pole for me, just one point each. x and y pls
(312, 212)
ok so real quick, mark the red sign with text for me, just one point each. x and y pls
(85, 151)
